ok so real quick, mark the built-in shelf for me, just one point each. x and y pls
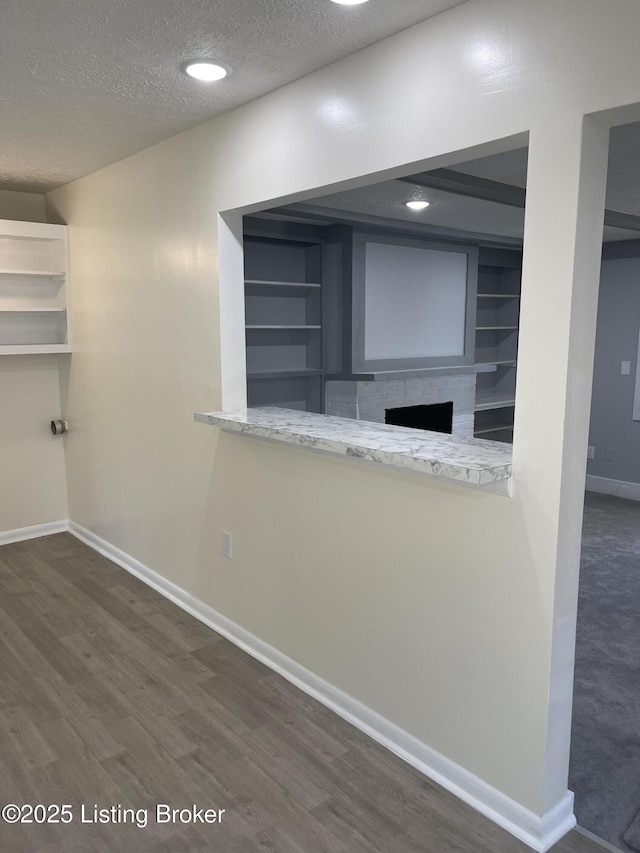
(34, 288)
(284, 374)
(497, 319)
(498, 296)
(5, 273)
(33, 349)
(507, 362)
(488, 430)
(32, 310)
(486, 403)
(495, 328)
(283, 317)
(270, 326)
(250, 282)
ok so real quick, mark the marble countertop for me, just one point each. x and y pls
(470, 461)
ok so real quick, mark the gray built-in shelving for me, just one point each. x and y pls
(299, 320)
(497, 318)
(283, 316)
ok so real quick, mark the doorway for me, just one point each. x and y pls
(605, 747)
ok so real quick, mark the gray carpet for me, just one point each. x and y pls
(605, 744)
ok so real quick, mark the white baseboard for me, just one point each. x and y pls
(540, 833)
(619, 488)
(20, 534)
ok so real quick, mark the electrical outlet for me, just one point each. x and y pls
(591, 452)
(625, 368)
(608, 454)
(226, 544)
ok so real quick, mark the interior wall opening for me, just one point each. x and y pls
(399, 294)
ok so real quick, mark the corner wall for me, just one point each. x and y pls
(25, 207)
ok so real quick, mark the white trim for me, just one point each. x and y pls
(21, 534)
(555, 824)
(34, 230)
(233, 351)
(540, 833)
(619, 488)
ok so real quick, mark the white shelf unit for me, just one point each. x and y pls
(34, 288)
(283, 317)
(497, 319)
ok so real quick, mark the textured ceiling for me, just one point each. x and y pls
(445, 209)
(84, 83)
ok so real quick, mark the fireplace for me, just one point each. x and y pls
(371, 400)
(437, 417)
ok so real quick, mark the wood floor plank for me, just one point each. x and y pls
(223, 658)
(112, 696)
(19, 611)
(297, 728)
(26, 737)
(222, 738)
(71, 707)
(289, 771)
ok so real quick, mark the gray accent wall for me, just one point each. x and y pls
(613, 432)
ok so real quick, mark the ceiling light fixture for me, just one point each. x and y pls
(205, 70)
(349, 2)
(417, 205)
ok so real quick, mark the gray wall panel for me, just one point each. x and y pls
(613, 431)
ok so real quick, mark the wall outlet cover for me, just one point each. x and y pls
(591, 452)
(625, 368)
(226, 544)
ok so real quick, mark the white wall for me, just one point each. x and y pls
(33, 486)
(448, 611)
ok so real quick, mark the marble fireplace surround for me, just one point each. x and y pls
(367, 399)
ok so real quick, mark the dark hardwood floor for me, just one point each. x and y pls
(114, 697)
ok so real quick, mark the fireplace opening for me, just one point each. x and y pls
(436, 418)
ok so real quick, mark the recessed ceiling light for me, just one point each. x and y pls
(205, 69)
(417, 205)
(350, 2)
